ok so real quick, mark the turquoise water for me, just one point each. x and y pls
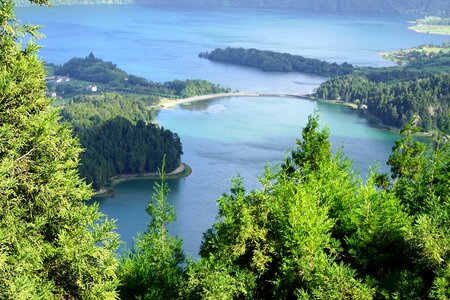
(225, 137)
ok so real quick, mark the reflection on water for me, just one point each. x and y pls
(240, 137)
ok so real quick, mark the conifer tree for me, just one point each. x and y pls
(154, 268)
(52, 245)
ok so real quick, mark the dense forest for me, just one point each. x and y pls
(395, 95)
(52, 245)
(111, 78)
(395, 103)
(118, 147)
(314, 230)
(270, 61)
(119, 138)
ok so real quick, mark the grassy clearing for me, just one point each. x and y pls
(432, 29)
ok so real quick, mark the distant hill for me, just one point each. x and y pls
(436, 7)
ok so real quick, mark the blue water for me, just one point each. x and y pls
(225, 137)
(163, 44)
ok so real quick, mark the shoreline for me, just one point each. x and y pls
(373, 120)
(182, 171)
(169, 103)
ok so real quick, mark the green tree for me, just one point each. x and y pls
(153, 269)
(278, 242)
(52, 245)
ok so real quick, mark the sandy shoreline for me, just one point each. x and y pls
(172, 103)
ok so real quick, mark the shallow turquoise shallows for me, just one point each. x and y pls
(225, 137)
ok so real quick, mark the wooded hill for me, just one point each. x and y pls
(435, 7)
(119, 137)
(109, 78)
(396, 95)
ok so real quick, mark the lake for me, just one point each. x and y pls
(225, 137)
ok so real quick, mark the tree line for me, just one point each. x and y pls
(112, 78)
(119, 147)
(396, 102)
(270, 61)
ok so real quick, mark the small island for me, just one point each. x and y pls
(433, 25)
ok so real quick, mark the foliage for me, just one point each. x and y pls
(52, 246)
(154, 268)
(315, 231)
(95, 70)
(276, 62)
(117, 147)
(86, 111)
(118, 137)
(395, 103)
(190, 88)
(421, 56)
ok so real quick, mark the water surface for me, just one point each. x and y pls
(225, 137)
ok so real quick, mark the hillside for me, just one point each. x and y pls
(437, 7)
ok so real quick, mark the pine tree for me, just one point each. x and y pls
(154, 268)
(52, 245)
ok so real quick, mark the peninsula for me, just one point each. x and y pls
(270, 61)
(433, 25)
(110, 111)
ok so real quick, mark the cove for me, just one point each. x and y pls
(226, 137)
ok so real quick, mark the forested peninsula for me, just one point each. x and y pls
(270, 61)
(110, 111)
(434, 25)
(119, 138)
(418, 88)
(108, 77)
